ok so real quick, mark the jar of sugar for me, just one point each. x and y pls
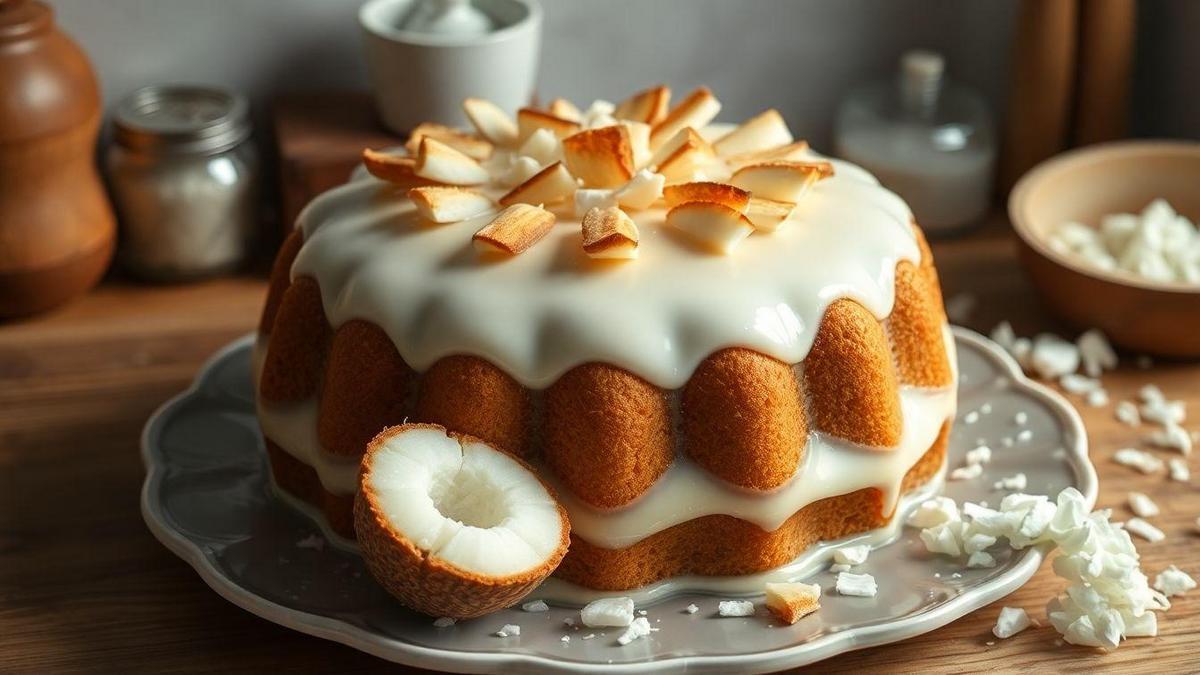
(929, 140)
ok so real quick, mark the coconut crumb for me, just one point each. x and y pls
(312, 541)
(735, 608)
(691, 609)
(1174, 581)
(638, 628)
(1142, 505)
(508, 630)
(1144, 530)
(1012, 620)
(614, 612)
(1179, 470)
(859, 585)
(443, 622)
(536, 606)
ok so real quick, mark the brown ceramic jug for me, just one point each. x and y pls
(56, 225)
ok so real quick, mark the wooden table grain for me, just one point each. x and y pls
(85, 587)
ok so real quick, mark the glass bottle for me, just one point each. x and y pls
(929, 140)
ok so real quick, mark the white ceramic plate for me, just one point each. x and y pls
(208, 498)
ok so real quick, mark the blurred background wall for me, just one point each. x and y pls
(798, 55)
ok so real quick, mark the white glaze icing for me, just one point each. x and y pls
(830, 467)
(538, 314)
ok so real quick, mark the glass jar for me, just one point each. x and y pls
(185, 182)
(929, 140)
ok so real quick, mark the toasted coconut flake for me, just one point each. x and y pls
(781, 181)
(791, 602)
(600, 157)
(450, 204)
(561, 107)
(639, 142)
(513, 231)
(761, 132)
(471, 146)
(713, 226)
(792, 152)
(531, 119)
(767, 214)
(609, 233)
(543, 146)
(441, 163)
(453, 527)
(648, 106)
(645, 188)
(551, 184)
(705, 191)
(682, 156)
(491, 122)
(697, 110)
(392, 168)
(589, 198)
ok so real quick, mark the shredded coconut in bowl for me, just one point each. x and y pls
(1157, 244)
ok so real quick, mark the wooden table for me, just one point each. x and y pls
(84, 586)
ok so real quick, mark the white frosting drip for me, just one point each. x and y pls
(538, 314)
(830, 467)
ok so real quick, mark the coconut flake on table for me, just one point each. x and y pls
(1012, 620)
(1138, 459)
(1142, 506)
(1179, 470)
(1096, 352)
(979, 455)
(638, 628)
(1145, 530)
(1174, 581)
(934, 511)
(1158, 244)
(1127, 413)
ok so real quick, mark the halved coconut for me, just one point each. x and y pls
(451, 526)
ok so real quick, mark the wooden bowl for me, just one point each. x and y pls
(1085, 185)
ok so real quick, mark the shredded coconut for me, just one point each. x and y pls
(967, 472)
(638, 628)
(1014, 482)
(735, 608)
(1173, 581)
(1137, 459)
(979, 455)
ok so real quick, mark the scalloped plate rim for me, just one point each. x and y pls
(398, 651)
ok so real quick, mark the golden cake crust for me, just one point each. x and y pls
(471, 396)
(365, 389)
(743, 418)
(295, 360)
(850, 378)
(606, 433)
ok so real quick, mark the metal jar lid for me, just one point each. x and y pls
(181, 119)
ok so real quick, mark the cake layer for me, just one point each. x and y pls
(682, 489)
(550, 309)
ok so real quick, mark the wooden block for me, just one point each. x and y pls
(319, 138)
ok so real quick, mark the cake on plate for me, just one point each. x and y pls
(712, 345)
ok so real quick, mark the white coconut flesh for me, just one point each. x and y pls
(467, 504)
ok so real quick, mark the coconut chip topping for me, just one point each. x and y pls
(563, 159)
(1173, 581)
